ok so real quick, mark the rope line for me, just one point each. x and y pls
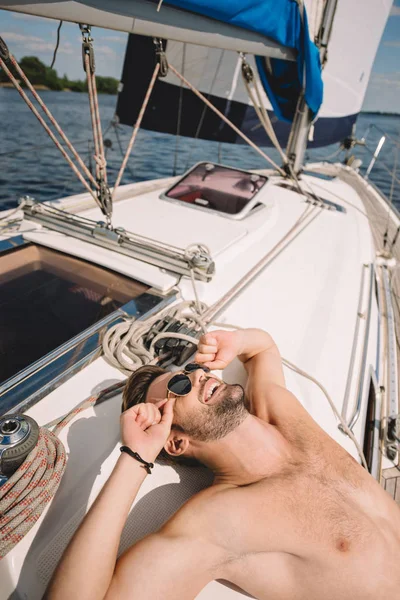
(46, 127)
(93, 116)
(136, 128)
(179, 115)
(227, 121)
(256, 100)
(25, 495)
(53, 120)
(204, 111)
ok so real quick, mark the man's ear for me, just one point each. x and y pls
(177, 443)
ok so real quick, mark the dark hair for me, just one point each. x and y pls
(136, 387)
(135, 391)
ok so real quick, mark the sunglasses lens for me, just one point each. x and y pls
(180, 385)
(194, 367)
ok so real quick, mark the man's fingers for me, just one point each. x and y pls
(218, 365)
(168, 413)
(160, 403)
(209, 340)
(203, 358)
(206, 349)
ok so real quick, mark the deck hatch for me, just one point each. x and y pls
(48, 298)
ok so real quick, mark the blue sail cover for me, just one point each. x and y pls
(281, 21)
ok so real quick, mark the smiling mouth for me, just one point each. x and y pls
(211, 390)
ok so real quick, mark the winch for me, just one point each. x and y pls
(19, 434)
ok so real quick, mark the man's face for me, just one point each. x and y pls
(209, 412)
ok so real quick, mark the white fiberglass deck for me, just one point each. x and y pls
(307, 298)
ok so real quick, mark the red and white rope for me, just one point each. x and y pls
(136, 128)
(99, 157)
(25, 495)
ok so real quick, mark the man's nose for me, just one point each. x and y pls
(197, 376)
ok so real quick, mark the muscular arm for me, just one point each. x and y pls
(266, 389)
(259, 354)
(166, 565)
(88, 563)
(87, 567)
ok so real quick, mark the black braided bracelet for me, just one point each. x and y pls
(148, 466)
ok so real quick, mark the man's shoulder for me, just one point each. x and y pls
(201, 515)
(214, 513)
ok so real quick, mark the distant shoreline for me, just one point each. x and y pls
(44, 88)
(45, 78)
(379, 112)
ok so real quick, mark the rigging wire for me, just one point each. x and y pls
(179, 117)
(117, 136)
(136, 128)
(258, 104)
(44, 124)
(57, 45)
(226, 120)
(396, 156)
(203, 113)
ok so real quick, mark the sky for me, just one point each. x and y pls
(383, 92)
(29, 35)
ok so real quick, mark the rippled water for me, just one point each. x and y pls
(30, 163)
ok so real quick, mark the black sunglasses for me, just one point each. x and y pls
(180, 384)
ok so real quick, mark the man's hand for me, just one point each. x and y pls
(218, 348)
(145, 429)
(93, 549)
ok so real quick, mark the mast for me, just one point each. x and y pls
(302, 121)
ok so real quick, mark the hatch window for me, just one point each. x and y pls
(47, 298)
(229, 191)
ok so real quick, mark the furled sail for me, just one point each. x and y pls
(216, 73)
(142, 17)
(280, 27)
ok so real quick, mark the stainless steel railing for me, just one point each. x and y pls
(385, 137)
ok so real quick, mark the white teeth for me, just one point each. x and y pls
(212, 390)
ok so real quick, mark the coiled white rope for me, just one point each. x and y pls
(124, 343)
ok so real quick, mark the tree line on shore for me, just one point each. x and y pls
(39, 74)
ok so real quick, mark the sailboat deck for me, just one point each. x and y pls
(380, 221)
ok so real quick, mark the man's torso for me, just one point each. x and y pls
(323, 526)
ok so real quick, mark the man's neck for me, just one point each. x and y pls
(255, 450)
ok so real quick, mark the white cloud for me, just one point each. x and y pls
(25, 17)
(105, 50)
(120, 39)
(31, 43)
(19, 37)
(395, 11)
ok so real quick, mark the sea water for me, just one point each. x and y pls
(31, 165)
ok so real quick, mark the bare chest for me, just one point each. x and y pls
(286, 539)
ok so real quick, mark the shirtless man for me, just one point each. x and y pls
(290, 514)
